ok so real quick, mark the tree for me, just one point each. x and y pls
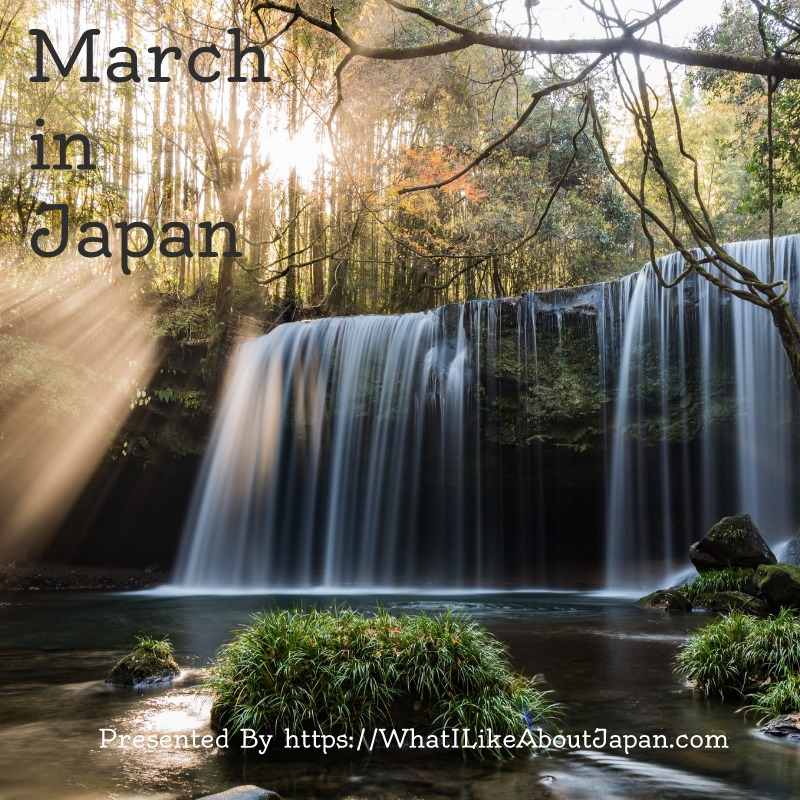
(430, 31)
(744, 29)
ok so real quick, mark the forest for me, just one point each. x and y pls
(315, 168)
(177, 177)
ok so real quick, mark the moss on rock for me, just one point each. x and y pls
(780, 584)
(667, 599)
(151, 661)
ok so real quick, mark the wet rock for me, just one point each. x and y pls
(736, 601)
(584, 300)
(247, 792)
(786, 726)
(147, 664)
(451, 319)
(732, 542)
(780, 585)
(666, 599)
(447, 788)
(505, 311)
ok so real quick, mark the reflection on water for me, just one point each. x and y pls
(607, 661)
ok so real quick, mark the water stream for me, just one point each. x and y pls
(609, 662)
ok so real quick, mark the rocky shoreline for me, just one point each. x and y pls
(45, 576)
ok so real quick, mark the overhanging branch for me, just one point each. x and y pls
(464, 38)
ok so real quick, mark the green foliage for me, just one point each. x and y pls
(194, 399)
(731, 579)
(341, 671)
(781, 697)
(740, 652)
(160, 648)
(745, 95)
(61, 388)
(186, 321)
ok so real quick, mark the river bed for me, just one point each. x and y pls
(609, 662)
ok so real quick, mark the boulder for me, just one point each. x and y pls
(780, 585)
(151, 661)
(667, 599)
(732, 542)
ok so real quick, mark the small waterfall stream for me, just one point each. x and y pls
(499, 443)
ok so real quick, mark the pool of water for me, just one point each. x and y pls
(607, 661)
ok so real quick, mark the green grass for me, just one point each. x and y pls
(708, 584)
(737, 653)
(160, 648)
(341, 671)
(731, 535)
(781, 697)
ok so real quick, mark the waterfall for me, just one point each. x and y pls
(569, 437)
(313, 472)
(709, 371)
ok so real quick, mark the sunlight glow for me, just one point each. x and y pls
(571, 20)
(73, 362)
(304, 151)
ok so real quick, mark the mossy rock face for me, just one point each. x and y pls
(734, 601)
(144, 666)
(732, 542)
(780, 585)
(666, 600)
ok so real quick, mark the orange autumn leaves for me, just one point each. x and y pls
(422, 165)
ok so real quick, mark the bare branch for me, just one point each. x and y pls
(467, 37)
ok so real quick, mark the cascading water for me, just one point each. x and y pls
(313, 472)
(706, 421)
(501, 442)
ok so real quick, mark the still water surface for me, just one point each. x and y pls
(607, 661)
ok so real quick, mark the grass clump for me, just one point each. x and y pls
(343, 671)
(159, 648)
(707, 585)
(738, 654)
(781, 697)
(151, 661)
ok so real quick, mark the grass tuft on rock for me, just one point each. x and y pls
(781, 697)
(707, 585)
(151, 661)
(739, 654)
(338, 672)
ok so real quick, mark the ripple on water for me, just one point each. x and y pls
(593, 775)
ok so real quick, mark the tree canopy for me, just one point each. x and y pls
(405, 156)
(761, 41)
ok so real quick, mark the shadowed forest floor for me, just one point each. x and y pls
(48, 576)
